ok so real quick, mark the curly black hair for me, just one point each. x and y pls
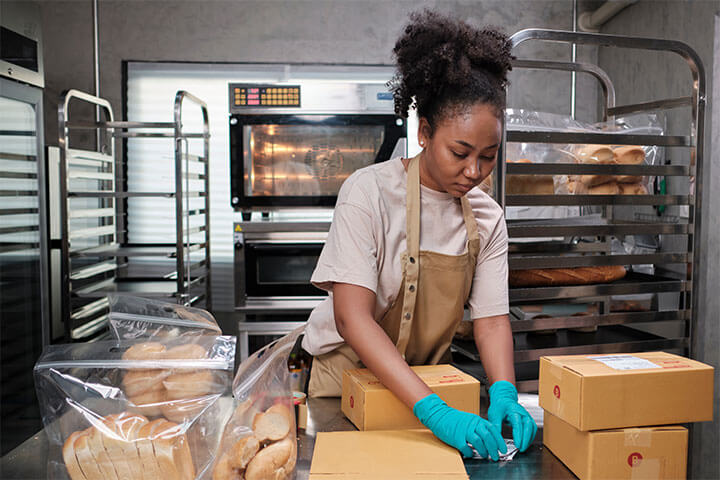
(446, 65)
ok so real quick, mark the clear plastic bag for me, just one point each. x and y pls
(259, 441)
(115, 409)
(135, 317)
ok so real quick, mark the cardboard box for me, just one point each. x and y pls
(598, 392)
(631, 453)
(384, 455)
(371, 406)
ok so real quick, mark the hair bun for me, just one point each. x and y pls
(436, 52)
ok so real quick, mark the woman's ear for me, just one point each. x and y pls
(424, 131)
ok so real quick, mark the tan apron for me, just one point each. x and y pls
(428, 307)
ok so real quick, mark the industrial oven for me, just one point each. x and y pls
(292, 145)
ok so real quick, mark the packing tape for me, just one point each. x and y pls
(638, 437)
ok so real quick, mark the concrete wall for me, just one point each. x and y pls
(639, 75)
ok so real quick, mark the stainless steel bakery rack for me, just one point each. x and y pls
(94, 259)
(673, 269)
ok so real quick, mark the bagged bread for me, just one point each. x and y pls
(135, 317)
(529, 184)
(259, 441)
(108, 411)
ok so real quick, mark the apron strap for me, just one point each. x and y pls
(471, 226)
(411, 259)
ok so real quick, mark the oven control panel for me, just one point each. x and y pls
(248, 95)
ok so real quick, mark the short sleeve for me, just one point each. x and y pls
(489, 293)
(350, 252)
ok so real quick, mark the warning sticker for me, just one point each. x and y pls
(624, 362)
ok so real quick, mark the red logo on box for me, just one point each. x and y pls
(556, 391)
(634, 459)
(352, 402)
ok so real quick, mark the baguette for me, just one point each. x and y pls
(270, 462)
(565, 276)
(71, 461)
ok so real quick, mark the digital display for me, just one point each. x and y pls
(252, 96)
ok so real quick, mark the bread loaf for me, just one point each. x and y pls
(70, 459)
(172, 451)
(565, 276)
(85, 458)
(629, 155)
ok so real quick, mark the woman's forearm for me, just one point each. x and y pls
(372, 345)
(493, 337)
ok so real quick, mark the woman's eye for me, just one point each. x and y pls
(459, 155)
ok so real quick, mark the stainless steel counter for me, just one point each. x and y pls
(28, 461)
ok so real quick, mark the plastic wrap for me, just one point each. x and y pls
(112, 409)
(135, 317)
(259, 441)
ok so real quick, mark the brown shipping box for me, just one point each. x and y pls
(384, 455)
(597, 392)
(649, 453)
(371, 406)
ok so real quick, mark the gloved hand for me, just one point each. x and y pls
(504, 406)
(457, 428)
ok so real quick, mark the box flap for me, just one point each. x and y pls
(432, 375)
(388, 454)
(625, 363)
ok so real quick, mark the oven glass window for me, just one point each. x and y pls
(305, 160)
(284, 270)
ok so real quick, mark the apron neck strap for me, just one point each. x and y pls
(413, 207)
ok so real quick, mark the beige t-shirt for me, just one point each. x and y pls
(367, 238)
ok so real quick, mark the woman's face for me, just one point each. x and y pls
(461, 152)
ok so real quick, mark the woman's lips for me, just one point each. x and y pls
(464, 188)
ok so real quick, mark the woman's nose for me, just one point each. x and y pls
(472, 169)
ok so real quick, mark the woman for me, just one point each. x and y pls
(413, 241)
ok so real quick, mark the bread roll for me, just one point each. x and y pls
(71, 461)
(632, 189)
(565, 276)
(271, 426)
(85, 457)
(149, 403)
(630, 155)
(145, 351)
(283, 410)
(137, 382)
(190, 351)
(271, 461)
(225, 471)
(185, 409)
(189, 385)
(243, 451)
(597, 154)
(605, 189)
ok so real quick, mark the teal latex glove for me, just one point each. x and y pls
(458, 428)
(504, 406)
